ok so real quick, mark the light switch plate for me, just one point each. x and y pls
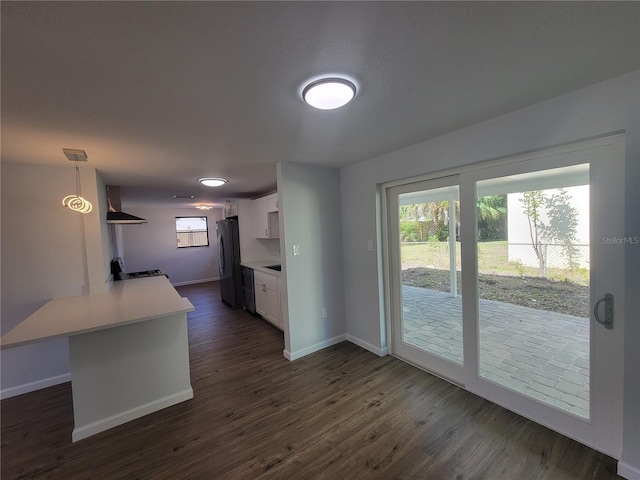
(296, 249)
(370, 245)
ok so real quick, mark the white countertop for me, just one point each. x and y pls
(261, 266)
(128, 301)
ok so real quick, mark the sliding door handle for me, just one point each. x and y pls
(608, 311)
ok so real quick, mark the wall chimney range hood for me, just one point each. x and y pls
(115, 215)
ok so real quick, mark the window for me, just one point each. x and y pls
(192, 232)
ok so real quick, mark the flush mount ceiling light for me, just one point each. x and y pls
(329, 93)
(213, 182)
(204, 207)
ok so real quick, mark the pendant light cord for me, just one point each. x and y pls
(78, 183)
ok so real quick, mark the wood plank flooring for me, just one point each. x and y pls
(341, 413)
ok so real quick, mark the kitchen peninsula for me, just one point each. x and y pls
(128, 348)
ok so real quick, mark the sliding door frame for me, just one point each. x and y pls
(468, 175)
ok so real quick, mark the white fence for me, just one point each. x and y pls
(553, 255)
(192, 238)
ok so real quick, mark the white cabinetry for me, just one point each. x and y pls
(268, 297)
(230, 209)
(272, 203)
(267, 225)
(262, 219)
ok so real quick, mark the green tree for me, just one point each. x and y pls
(532, 204)
(432, 219)
(412, 225)
(438, 217)
(492, 215)
(405, 213)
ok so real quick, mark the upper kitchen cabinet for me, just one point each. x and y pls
(272, 203)
(267, 221)
(230, 209)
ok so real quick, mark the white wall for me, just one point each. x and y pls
(44, 256)
(311, 219)
(599, 109)
(96, 233)
(153, 245)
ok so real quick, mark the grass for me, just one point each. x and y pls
(562, 291)
(493, 259)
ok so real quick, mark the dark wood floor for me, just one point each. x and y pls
(341, 413)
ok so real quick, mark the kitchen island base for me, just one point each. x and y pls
(129, 350)
(123, 373)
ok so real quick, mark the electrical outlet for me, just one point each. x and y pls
(370, 245)
(324, 312)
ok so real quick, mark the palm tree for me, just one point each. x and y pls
(492, 211)
(406, 213)
(491, 207)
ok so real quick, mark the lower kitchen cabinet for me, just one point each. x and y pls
(268, 297)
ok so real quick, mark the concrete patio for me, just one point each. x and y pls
(541, 354)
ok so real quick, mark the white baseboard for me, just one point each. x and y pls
(627, 471)
(313, 348)
(33, 386)
(381, 352)
(80, 433)
(194, 282)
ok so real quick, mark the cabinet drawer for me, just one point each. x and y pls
(269, 281)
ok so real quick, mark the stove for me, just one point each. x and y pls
(119, 274)
(146, 273)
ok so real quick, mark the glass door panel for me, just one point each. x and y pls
(533, 284)
(430, 264)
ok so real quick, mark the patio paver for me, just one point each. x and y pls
(544, 355)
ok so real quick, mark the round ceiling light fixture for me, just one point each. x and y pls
(329, 93)
(213, 182)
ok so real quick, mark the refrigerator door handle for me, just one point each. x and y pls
(221, 255)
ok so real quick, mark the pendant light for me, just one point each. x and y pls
(76, 202)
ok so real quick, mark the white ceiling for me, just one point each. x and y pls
(162, 93)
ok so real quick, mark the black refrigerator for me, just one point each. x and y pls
(229, 262)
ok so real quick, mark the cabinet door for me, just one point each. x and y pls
(272, 203)
(274, 307)
(274, 225)
(262, 298)
(262, 220)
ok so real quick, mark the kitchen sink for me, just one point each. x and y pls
(274, 267)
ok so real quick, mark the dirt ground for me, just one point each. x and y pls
(541, 293)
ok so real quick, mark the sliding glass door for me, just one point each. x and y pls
(534, 303)
(506, 279)
(426, 237)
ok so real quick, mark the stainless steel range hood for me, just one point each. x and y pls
(115, 215)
